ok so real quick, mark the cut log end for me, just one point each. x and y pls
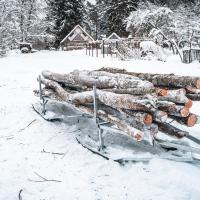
(162, 92)
(148, 119)
(160, 116)
(198, 84)
(138, 136)
(184, 112)
(191, 120)
(188, 103)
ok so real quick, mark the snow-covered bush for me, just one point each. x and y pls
(25, 50)
(150, 50)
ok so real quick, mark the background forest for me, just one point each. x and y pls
(52, 20)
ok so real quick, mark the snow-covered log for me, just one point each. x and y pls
(164, 80)
(123, 124)
(158, 115)
(119, 83)
(142, 117)
(191, 90)
(194, 97)
(176, 96)
(173, 109)
(142, 103)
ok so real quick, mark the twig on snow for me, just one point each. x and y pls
(27, 126)
(53, 153)
(43, 179)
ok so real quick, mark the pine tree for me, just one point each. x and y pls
(90, 19)
(62, 16)
(116, 13)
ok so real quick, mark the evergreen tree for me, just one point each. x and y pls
(115, 14)
(62, 16)
(91, 19)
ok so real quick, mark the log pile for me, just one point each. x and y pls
(190, 84)
(136, 103)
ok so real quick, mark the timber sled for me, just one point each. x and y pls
(103, 139)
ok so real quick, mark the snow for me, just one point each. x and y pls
(83, 175)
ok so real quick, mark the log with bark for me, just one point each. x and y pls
(192, 90)
(158, 115)
(142, 117)
(164, 80)
(122, 124)
(122, 101)
(119, 83)
(189, 121)
(175, 96)
(139, 121)
(193, 97)
(173, 109)
(171, 130)
(142, 103)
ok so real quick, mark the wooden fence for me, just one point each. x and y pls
(191, 55)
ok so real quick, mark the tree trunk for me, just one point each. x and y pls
(119, 83)
(171, 130)
(164, 80)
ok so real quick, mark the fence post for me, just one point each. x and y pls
(96, 50)
(92, 49)
(103, 49)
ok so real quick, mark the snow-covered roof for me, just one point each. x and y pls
(76, 30)
(114, 36)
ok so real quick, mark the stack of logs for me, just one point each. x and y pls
(136, 103)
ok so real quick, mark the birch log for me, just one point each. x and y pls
(165, 80)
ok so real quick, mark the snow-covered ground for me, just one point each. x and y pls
(83, 175)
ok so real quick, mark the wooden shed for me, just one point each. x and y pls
(76, 39)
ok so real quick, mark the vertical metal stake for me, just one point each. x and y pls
(41, 97)
(100, 131)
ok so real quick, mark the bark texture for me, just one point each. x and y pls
(189, 121)
(171, 130)
(173, 109)
(165, 80)
(120, 83)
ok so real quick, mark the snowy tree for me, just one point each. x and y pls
(19, 18)
(8, 26)
(115, 14)
(91, 19)
(62, 16)
(149, 16)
